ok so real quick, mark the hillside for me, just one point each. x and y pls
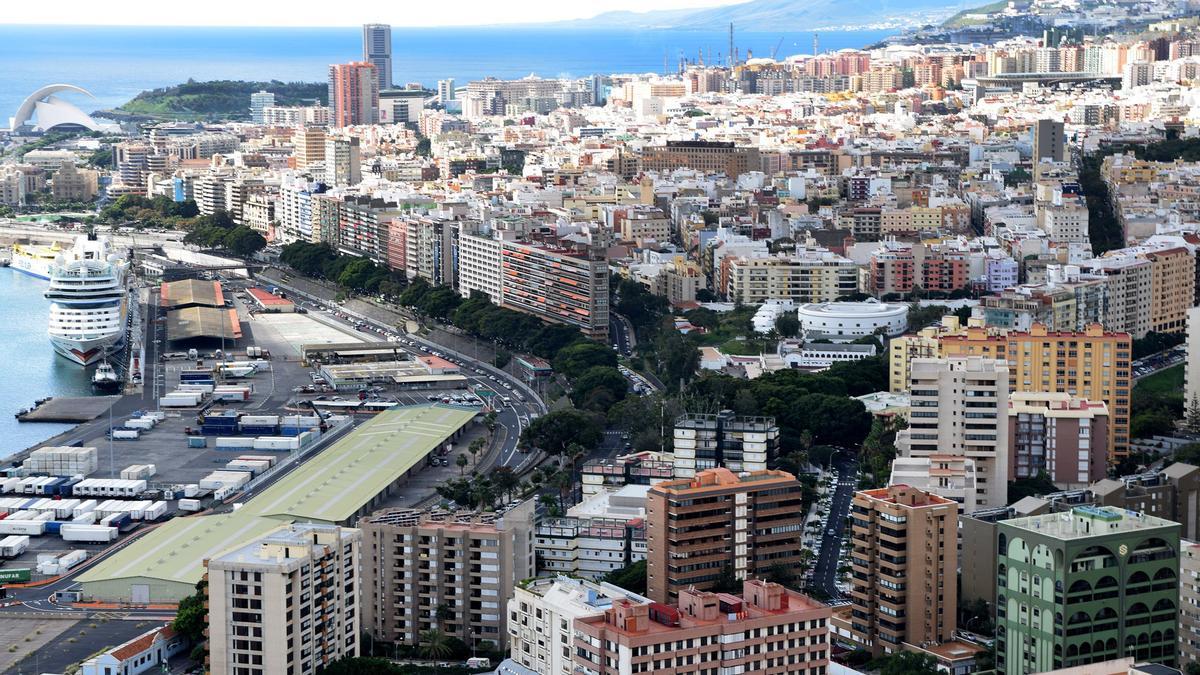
(783, 16)
(219, 99)
(963, 18)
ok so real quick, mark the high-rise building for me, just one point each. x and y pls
(445, 90)
(354, 94)
(1059, 435)
(542, 615)
(737, 443)
(443, 571)
(959, 410)
(259, 102)
(1091, 585)
(904, 562)
(769, 629)
(343, 166)
(377, 51)
(717, 524)
(286, 602)
(1189, 603)
(1049, 143)
(308, 145)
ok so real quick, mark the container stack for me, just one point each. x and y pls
(224, 479)
(231, 393)
(139, 472)
(253, 425)
(224, 423)
(62, 461)
(294, 425)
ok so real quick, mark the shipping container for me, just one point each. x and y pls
(127, 434)
(227, 479)
(259, 420)
(197, 442)
(33, 528)
(53, 526)
(269, 459)
(15, 575)
(13, 545)
(96, 534)
(189, 504)
(117, 520)
(277, 443)
(258, 430)
(139, 424)
(155, 511)
(88, 506)
(84, 518)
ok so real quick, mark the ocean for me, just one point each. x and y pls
(30, 370)
(117, 63)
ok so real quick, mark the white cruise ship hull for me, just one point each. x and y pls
(87, 351)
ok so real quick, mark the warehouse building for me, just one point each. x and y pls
(350, 478)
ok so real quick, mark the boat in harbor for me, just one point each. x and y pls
(89, 301)
(34, 259)
(105, 378)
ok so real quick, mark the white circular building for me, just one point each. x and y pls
(845, 321)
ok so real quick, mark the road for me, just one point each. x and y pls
(481, 377)
(1149, 365)
(825, 571)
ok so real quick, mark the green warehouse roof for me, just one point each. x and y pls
(330, 487)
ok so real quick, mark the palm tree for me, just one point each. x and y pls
(462, 462)
(475, 447)
(435, 645)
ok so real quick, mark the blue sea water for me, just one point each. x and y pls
(116, 63)
(29, 368)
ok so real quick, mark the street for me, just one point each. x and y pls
(824, 574)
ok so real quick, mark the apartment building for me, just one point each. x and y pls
(1189, 603)
(1129, 282)
(308, 149)
(640, 468)
(353, 94)
(286, 602)
(924, 344)
(542, 615)
(1055, 433)
(558, 282)
(718, 522)
(426, 570)
(959, 411)
(364, 226)
(768, 629)
(904, 562)
(1091, 585)
(601, 534)
(807, 275)
(343, 165)
(1092, 364)
(704, 156)
(429, 249)
(735, 442)
(1066, 301)
(1172, 288)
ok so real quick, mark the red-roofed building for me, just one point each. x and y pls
(269, 302)
(769, 629)
(143, 653)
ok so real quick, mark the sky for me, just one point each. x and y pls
(412, 13)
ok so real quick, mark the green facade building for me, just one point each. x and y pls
(1090, 585)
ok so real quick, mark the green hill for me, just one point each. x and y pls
(219, 99)
(961, 19)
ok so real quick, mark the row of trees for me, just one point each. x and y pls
(353, 274)
(220, 232)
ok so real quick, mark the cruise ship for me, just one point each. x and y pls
(89, 301)
(33, 259)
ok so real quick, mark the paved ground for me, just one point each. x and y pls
(30, 637)
(71, 409)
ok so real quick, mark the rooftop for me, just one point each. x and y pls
(199, 322)
(1089, 521)
(329, 487)
(192, 292)
(720, 478)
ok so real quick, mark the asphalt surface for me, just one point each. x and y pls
(825, 571)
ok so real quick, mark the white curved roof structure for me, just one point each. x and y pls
(51, 111)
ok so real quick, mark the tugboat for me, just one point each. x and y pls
(105, 378)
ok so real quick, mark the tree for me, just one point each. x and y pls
(444, 613)
(191, 619)
(435, 644)
(244, 242)
(1192, 420)
(555, 431)
(1029, 487)
(598, 388)
(632, 577)
(462, 462)
(781, 574)
(576, 359)
(909, 663)
(727, 582)
(787, 325)
(475, 447)
(505, 480)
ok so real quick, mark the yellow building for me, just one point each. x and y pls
(921, 345)
(1171, 288)
(1092, 364)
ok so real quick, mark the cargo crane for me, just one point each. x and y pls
(324, 426)
(775, 52)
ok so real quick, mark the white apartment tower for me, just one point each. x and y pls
(286, 602)
(377, 50)
(960, 412)
(259, 102)
(343, 166)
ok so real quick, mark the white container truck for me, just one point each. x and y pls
(189, 505)
(33, 528)
(96, 534)
(13, 545)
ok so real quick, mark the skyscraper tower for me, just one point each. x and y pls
(353, 94)
(377, 50)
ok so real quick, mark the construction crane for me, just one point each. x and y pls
(775, 52)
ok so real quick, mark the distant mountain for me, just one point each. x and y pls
(782, 16)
